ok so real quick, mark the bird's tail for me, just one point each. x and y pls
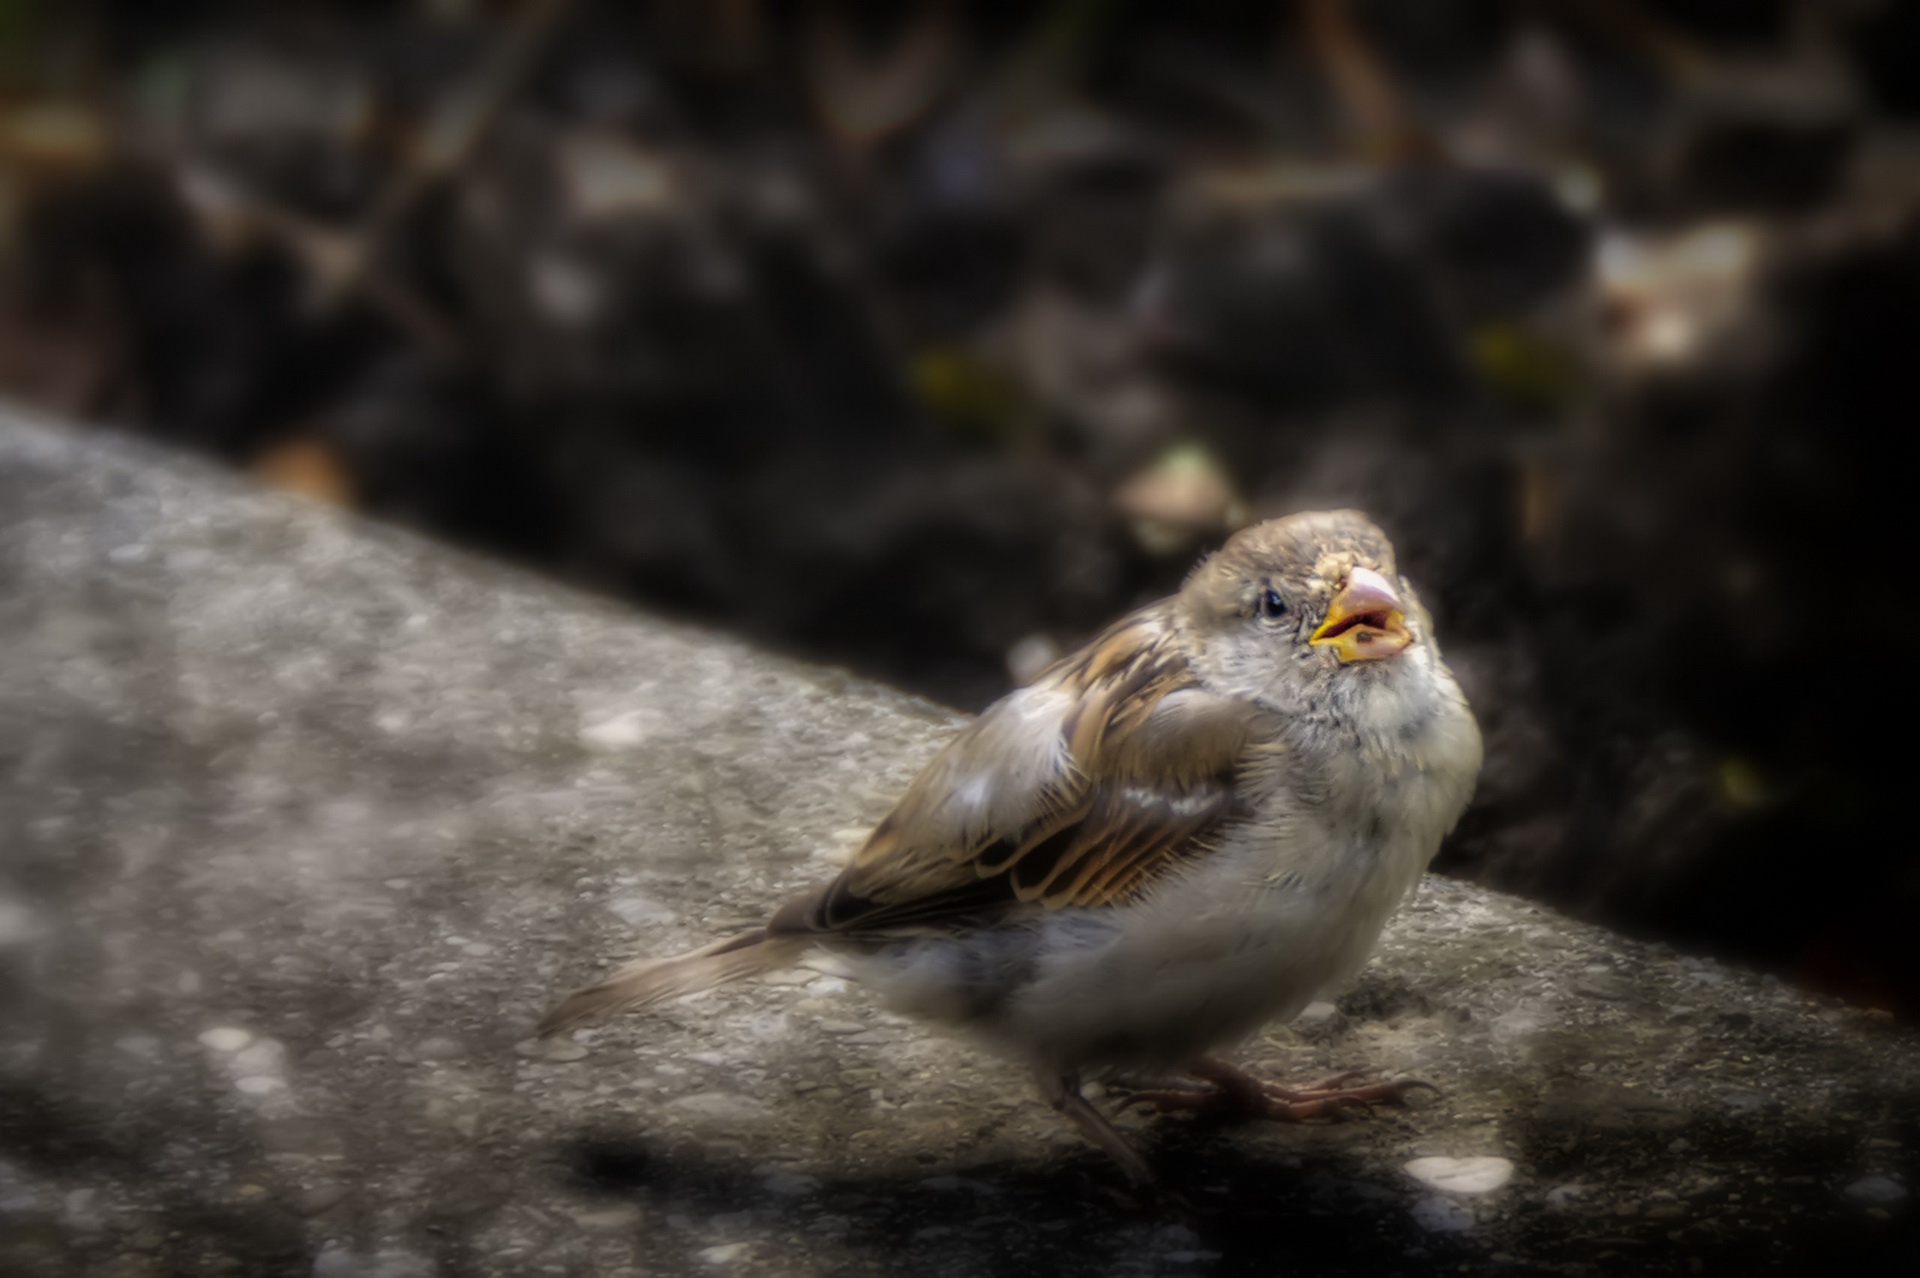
(649, 981)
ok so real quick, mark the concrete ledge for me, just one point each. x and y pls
(302, 823)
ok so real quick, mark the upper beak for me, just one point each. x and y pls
(1365, 621)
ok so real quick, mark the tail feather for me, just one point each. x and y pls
(648, 981)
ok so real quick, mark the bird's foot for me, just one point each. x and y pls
(1235, 1094)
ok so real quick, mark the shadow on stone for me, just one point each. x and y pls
(1223, 1209)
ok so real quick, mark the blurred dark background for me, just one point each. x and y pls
(926, 337)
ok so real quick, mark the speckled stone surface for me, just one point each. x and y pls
(303, 822)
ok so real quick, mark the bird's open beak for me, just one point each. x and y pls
(1365, 621)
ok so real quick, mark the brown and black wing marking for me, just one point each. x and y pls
(1113, 770)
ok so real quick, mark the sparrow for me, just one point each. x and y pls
(1183, 831)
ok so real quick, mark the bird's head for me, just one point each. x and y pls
(1304, 611)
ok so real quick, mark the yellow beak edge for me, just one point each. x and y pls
(1365, 621)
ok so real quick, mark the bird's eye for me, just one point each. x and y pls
(1272, 605)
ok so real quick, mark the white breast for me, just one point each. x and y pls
(1252, 938)
(1292, 903)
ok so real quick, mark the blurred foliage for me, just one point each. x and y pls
(926, 337)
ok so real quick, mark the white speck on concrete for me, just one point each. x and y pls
(225, 1038)
(1478, 1175)
(622, 731)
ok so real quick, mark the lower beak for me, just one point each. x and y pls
(1365, 621)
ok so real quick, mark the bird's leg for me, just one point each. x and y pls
(1062, 1091)
(1237, 1094)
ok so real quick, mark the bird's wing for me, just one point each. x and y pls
(1111, 770)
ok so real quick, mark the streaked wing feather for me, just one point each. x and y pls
(1129, 772)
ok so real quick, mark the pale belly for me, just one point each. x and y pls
(1150, 986)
